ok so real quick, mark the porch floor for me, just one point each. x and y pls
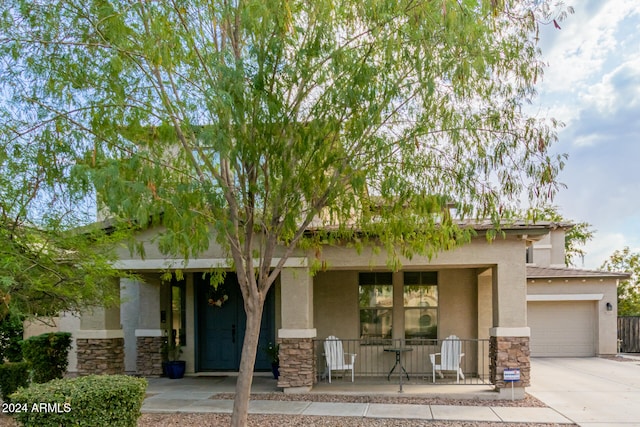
(197, 386)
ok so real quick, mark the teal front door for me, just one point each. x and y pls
(221, 322)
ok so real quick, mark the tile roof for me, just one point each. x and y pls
(565, 272)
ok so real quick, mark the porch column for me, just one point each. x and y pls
(509, 337)
(149, 333)
(297, 368)
(485, 318)
(100, 342)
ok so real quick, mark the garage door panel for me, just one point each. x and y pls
(562, 328)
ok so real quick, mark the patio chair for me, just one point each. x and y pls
(337, 359)
(450, 358)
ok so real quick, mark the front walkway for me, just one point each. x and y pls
(198, 395)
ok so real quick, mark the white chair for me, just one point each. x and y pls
(337, 359)
(450, 358)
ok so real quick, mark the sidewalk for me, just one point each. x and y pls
(193, 396)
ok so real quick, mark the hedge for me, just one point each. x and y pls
(94, 400)
(47, 354)
(10, 336)
(13, 376)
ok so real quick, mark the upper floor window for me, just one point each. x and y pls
(421, 304)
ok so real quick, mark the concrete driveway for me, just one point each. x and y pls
(589, 391)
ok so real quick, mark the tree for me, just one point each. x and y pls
(268, 122)
(625, 261)
(47, 263)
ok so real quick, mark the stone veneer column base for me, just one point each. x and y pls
(509, 353)
(100, 356)
(149, 356)
(297, 367)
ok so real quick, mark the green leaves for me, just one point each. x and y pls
(252, 123)
(626, 261)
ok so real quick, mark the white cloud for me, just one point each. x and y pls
(600, 249)
(578, 52)
(619, 89)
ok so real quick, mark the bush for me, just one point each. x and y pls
(95, 400)
(47, 355)
(11, 329)
(12, 376)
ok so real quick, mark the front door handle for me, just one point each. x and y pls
(233, 334)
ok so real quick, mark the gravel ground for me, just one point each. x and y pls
(528, 401)
(198, 420)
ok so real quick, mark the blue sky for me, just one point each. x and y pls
(592, 84)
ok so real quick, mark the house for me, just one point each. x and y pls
(511, 295)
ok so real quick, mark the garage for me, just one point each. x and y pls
(562, 328)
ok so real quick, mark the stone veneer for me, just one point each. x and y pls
(296, 362)
(149, 356)
(509, 353)
(100, 356)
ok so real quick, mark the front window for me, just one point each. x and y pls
(421, 304)
(376, 304)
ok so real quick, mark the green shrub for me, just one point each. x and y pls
(95, 400)
(12, 376)
(11, 329)
(47, 354)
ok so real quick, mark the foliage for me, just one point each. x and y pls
(171, 351)
(11, 330)
(285, 124)
(47, 270)
(626, 261)
(45, 266)
(94, 400)
(273, 352)
(13, 376)
(575, 237)
(47, 355)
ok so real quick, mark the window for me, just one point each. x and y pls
(376, 304)
(420, 304)
(178, 313)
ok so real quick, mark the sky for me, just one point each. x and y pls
(592, 84)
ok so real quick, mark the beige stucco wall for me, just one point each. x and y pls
(505, 256)
(549, 250)
(336, 304)
(458, 303)
(606, 321)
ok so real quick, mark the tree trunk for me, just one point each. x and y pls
(247, 364)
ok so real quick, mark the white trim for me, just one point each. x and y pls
(565, 297)
(502, 331)
(98, 333)
(197, 264)
(149, 333)
(297, 333)
(545, 246)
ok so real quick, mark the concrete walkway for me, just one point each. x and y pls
(592, 392)
(195, 395)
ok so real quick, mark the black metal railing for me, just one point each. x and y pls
(377, 357)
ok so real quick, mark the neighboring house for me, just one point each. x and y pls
(480, 291)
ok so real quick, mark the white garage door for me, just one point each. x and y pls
(562, 328)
